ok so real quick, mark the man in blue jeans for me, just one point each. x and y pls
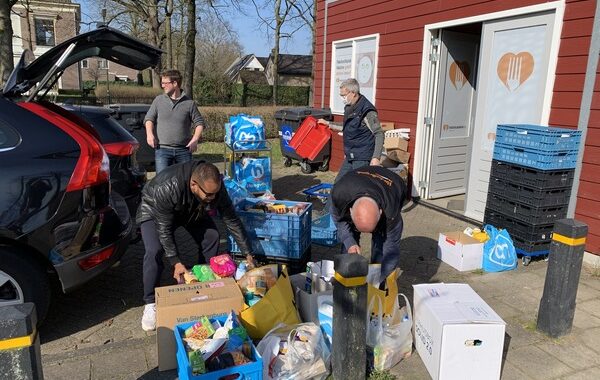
(169, 123)
(370, 200)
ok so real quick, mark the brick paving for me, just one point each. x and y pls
(95, 333)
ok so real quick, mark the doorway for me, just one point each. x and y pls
(499, 70)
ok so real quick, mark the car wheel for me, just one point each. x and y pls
(23, 280)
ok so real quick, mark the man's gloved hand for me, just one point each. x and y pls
(178, 271)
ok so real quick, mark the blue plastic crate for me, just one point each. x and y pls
(538, 159)
(321, 191)
(280, 235)
(538, 137)
(250, 371)
(324, 231)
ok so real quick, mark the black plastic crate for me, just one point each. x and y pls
(524, 231)
(526, 213)
(526, 176)
(529, 195)
(531, 246)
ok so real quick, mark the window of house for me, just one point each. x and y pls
(44, 32)
(354, 58)
(102, 64)
(84, 64)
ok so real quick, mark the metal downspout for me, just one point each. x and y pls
(586, 102)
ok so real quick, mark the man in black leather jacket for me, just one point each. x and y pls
(183, 195)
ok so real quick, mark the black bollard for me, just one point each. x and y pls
(20, 356)
(349, 354)
(557, 307)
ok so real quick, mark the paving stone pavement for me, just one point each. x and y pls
(94, 332)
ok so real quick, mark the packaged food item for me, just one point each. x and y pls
(202, 329)
(196, 362)
(203, 273)
(223, 265)
(259, 280)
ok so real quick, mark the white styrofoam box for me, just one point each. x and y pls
(460, 250)
(457, 334)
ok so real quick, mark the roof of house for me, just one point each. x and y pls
(292, 64)
(263, 61)
(238, 65)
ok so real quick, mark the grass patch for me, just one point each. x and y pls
(217, 148)
(478, 271)
(531, 326)
(381, 375)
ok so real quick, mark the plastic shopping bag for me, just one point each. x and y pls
(253, 174)
(245, 132)
(223, 265)
(499, 251)
(388, 295)
(389, 339)
(236, 192)
(294, 352)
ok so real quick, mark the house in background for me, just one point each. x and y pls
(99, 69)
(451, 70)
(42, 25)
(247, 63)
(293, 70)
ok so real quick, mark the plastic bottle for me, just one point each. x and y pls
(308, 284)
(241, 270)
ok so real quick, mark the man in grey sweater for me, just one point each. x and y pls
(169, 123)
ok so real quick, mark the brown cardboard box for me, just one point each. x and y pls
(401, 170)
(183, 303)
(387, 126)
(395, 143)
(387, 162)
(398, 155)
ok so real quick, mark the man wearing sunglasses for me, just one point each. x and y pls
(169, 123)
(183, 195)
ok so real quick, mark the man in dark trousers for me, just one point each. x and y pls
(183, 195)
(369, 199)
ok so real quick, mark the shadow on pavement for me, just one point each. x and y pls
(154, 374)
(418, 262)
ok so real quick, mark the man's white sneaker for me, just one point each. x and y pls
(149, 317)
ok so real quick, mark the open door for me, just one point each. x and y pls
(455, 108)
(513, 76)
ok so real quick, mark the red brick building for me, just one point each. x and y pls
(451, 70)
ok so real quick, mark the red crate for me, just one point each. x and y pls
(310, 138)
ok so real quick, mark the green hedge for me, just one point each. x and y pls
(260, 94)
(216, 117)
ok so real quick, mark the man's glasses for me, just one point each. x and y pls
(166, 83)
(206, 193)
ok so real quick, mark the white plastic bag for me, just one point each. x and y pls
(295, 352)
(390, 339)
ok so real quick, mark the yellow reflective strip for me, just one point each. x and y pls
(20, 342)
(567, 240)
(350, 281)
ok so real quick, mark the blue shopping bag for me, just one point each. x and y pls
(237, 193)
(499, 251)
(254, 174)
(245, 132)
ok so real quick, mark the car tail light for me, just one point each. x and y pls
(124, 148)
(92, 168)
(97, 258)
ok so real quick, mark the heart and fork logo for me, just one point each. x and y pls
(514, 69)
(459, 74)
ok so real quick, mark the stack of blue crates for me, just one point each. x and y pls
(530, 183)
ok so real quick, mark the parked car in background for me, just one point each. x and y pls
(126, 176)
(131, 117)
(58, 216)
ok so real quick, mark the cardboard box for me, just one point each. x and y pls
(387, 125)
(387, 162)
(390, 143)
(398, 155)
(460, 251)
(457, 335)
(184, 303)
(308, 303)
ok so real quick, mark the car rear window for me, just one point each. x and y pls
(109, 129)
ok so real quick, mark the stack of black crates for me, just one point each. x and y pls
(530, 184)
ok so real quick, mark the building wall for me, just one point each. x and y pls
(401, 28)
(65, 18)
(93, 72)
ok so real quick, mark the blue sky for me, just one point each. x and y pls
(251, 38)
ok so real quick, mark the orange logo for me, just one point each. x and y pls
(459, 74)
(514, 69)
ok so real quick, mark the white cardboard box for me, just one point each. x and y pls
(457, 335)
(460, 251)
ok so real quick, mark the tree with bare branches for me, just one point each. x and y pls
(6, 35)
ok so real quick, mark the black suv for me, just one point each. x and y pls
(57, 213)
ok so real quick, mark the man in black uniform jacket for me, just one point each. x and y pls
(183, 195)
(369, 199)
